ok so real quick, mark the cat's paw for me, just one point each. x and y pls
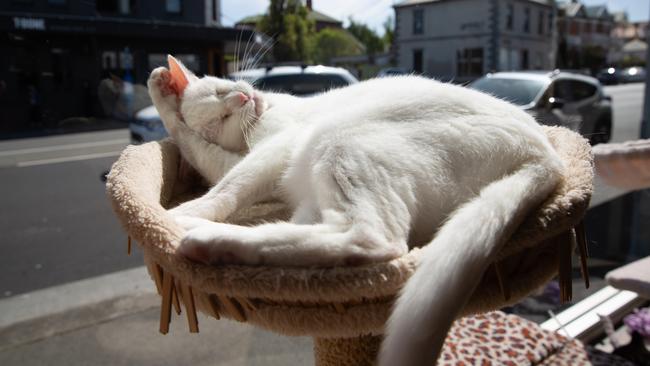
(160, 80)
(214, 244)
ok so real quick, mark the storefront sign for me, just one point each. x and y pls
(29, 23)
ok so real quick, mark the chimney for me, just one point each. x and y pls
(309, 5)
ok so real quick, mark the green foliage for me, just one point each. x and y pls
(374, 43)
(292, 31)
(389, 32)
(331, 42)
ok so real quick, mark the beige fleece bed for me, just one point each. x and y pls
(336, 306)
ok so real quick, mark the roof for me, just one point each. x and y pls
(314, 15)
(635, 45)
(598, 11)
(417, 2)
(578, 10)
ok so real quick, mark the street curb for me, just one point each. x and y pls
(43, 313)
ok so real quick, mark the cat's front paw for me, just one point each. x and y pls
(214, 244)
(160, 80)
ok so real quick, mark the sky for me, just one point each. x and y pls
(374, 12)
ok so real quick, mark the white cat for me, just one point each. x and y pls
(369, 169)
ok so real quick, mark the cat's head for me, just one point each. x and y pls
(222, 111)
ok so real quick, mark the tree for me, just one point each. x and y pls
(389, 32)
(374, 43)
(331, 42)
(289, 26)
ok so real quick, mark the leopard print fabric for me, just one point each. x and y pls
(497, 338)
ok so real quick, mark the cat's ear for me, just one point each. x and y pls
(181, 76)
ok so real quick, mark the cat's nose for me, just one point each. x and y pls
(243, 98)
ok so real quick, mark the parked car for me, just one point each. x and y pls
(609, 76)
(555, 98)
(297, 80)
(634, 74)
(391, 71)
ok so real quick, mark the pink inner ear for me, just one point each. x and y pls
(179, 80)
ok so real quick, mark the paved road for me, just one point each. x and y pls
(628, 107)
(55, 221)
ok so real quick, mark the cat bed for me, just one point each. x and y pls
(343, 308)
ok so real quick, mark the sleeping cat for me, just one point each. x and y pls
(369, 169)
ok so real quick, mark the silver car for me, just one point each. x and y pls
(556, 98)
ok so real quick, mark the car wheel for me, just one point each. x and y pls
(602, 133)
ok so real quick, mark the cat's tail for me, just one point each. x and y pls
(453, 263)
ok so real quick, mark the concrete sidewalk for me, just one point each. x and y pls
(113, 320)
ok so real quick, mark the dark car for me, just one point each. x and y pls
(555, 98)
(609, 76)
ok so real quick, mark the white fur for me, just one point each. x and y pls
(370, 169)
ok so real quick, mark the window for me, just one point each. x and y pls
(301, 84)
(469, 62)
(540, 22)
(587, 28)
(527, 20)
(115, 6)
(517, 91)
(573, 90)
(173, 6)
(510, 16)
(418, 21)
(524, 60)
(215, 11)
(417, 61)
(582, 90)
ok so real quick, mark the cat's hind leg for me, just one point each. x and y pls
(288, 244)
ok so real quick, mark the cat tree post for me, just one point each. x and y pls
(344, 308)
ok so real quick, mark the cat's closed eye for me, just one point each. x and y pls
(221, 93)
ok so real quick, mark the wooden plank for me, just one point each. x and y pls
(233, 308)
(128, 245)
(583, 251)
(175, 295)
(156, 272)
(564, 263)
(166, 306)
(190, 309)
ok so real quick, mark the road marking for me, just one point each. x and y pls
(64, 147)
(65, 159)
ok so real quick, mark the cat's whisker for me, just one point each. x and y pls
(264, 49)
(247, 50)
(237, 49)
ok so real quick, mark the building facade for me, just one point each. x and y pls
(584, 36)
(630, 42)
(55, 53)
(461, 40)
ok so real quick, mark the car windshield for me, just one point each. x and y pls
(517, 91)
(300, 84)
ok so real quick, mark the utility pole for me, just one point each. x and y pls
(645, 121)
(639, 246)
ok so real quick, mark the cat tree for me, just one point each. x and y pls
(344, 309)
